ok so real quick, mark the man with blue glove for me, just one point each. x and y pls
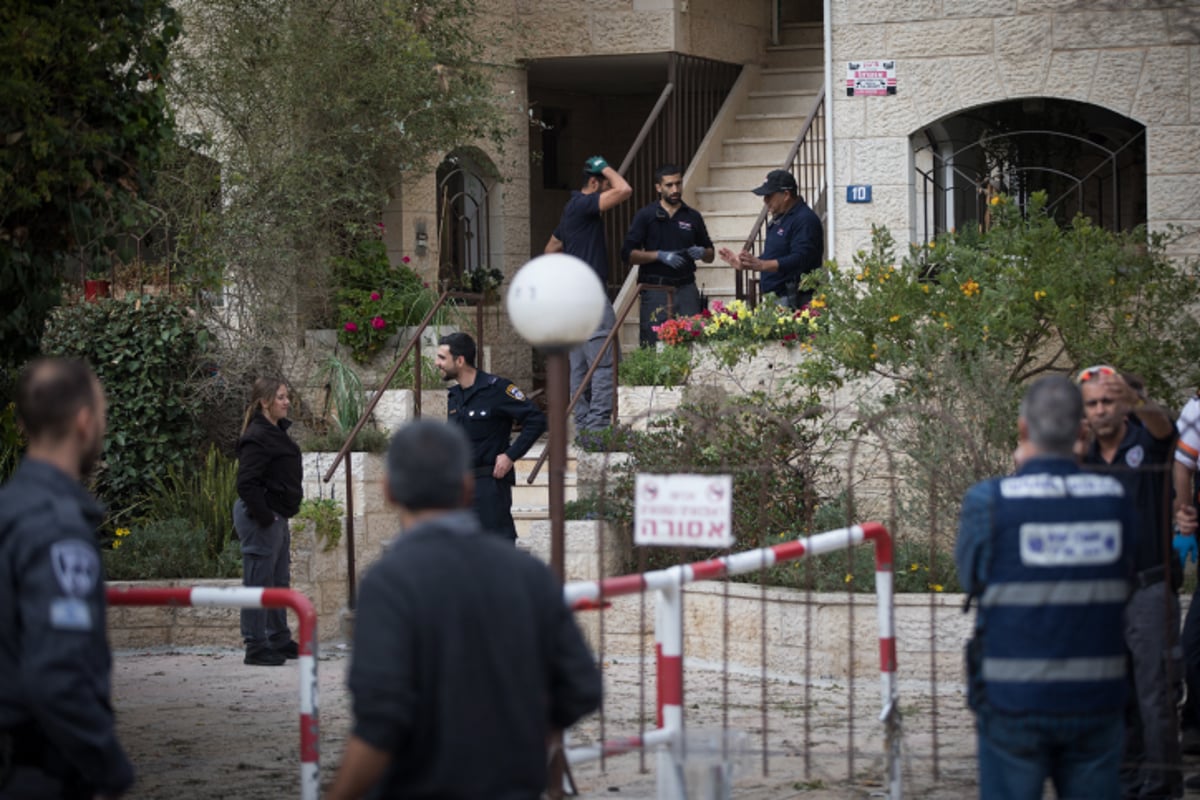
(665, 240)
(580, 233)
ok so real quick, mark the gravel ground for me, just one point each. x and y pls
(200, 724)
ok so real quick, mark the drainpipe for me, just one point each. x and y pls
(830, 94)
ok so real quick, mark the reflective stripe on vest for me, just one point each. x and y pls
(1038, 593)
(1044, 670)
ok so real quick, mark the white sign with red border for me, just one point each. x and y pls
(870, 78)
(684, 510)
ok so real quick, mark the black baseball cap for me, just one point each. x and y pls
(778, 180)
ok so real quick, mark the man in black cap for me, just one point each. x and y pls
(795, 242)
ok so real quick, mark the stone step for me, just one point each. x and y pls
(728, 226)
(780, 101)
(770, 125)
(797, 79)
(739, 200)
(743, 175)
(795, 55)
(524, 494)
(810, 33)
(765, 150)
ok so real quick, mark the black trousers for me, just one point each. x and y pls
(493, 505)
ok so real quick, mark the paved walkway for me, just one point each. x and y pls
(200, 724)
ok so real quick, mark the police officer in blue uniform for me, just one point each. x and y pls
(665, 240)
(1048, 555)
(793, 244)
(57, 733)
(486, 406)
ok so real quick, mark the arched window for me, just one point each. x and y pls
(1087, 159)
(464, 182)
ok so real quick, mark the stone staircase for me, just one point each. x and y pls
(531, 502)
(766, 126)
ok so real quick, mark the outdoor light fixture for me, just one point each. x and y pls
(556, 301)
(422, 238)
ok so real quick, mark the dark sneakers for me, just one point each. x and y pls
(261, 656)
(289, 650)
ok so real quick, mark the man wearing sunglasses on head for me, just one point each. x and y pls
(1133, 438)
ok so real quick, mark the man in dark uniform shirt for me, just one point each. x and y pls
(486, 406)
(57, 733)
(665, 240)
(1133, 439)
(793, 245)
(466, 658)
(580, 233)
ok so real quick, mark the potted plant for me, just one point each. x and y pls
(96, 285)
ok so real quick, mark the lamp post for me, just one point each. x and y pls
(555, 302)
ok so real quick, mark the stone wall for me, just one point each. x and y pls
(952, 56)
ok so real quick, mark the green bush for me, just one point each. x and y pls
(369, 440)
(326, 516)
(203, 495)
(168, 549)
(652, 366)
(146, 352)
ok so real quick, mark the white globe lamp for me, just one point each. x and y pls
(556, 301)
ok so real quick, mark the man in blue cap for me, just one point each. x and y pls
(795, 242)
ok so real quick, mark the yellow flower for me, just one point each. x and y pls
(970, 288)
(937, 587)
(122, 531)
(913, 567)
(996, 199)
(925, 288)
(116, 543)
(1038, 295)
(894, 318)
(849, 577)
(947, 325)
(818, 302)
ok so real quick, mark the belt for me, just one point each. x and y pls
(1149, 577)
(654, 280)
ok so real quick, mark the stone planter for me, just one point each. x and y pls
(764, 371)
(640, 405)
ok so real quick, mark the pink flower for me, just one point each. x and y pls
(375, 295)
(406, 259)
(350, 327)
(378, 323)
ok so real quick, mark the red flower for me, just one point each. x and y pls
(378, 323)
(791, 337)
(350, 327)
(406, 259)
(375, 295)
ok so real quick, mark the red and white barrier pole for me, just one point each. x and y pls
(251, 597)
(591, 595)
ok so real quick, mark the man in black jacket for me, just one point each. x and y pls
(57, 733)
(486, 406)
(465, 656)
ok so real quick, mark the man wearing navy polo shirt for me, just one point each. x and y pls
(795, 242)
(665, 240)
(580, 233)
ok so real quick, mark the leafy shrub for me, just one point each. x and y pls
(369, 440)
(145, 351)
(326, 516)
(203, 495)
(166, 549)
(652, 366)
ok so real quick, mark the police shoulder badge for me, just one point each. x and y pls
(513, 392)
(76, 566)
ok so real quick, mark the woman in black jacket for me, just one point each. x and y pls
(269, 493)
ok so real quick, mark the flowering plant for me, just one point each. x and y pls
(737, 322)
(481, 281)
(375, 300)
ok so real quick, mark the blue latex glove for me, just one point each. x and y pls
(672, 258)
(596, 165)
(696, 252)
(1186, 548)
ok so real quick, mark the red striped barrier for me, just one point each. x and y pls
(668, 637)
(250, 597)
